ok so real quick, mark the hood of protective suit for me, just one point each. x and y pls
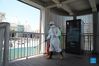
(52, 22)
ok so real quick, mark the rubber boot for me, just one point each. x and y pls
(50, 55)
(60, 55)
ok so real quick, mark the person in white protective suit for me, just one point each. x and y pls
(53, 35)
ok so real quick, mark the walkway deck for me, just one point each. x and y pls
(69, 60)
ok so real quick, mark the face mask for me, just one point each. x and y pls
(51, 24)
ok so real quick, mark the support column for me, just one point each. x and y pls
(74, 17)
(47, 18)
(95, 32)
(6, 44)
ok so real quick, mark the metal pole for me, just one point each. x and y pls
(27, 45)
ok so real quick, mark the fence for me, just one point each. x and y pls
(87, 41)
(25, 44)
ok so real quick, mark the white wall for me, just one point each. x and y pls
(88, 23)
(59, 20)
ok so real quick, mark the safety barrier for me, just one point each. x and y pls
(25, 44)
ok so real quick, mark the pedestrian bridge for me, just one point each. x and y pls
(29, 48)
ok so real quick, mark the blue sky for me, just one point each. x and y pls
(19, 12)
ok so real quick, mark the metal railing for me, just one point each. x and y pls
(25, 44)
(87, 41)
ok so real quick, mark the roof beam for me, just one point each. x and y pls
(56, 1)
(68, 1)
(51, 6)
(93, 5)
(64, 7)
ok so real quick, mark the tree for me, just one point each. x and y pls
(2, 16)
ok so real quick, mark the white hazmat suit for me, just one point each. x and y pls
(53, 35)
